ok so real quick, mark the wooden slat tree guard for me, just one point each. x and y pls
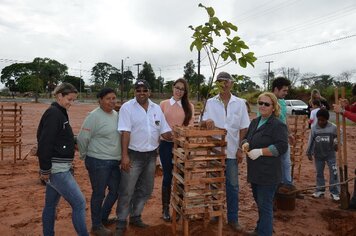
(198, 175)
(11, 129)
(298, 125)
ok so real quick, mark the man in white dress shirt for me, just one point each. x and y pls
(141, 123)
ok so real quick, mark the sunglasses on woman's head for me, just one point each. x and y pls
(266, 104)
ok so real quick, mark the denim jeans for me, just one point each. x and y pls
(263, 195)
(136, 185)
(166, 156)
(333, 174)
(232, 190)
(103, 174)
(64, 184)
(286, 168)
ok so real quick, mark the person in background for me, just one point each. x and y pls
(322, 146)
(316, 107)
(177, 111)
(345, 109)
(264, 148)
(56, 147)
(349, 112)
(315, 95)
(229, 112)
(99, 144)
(280, 87)
(141, 123)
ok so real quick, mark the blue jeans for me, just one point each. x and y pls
(64, 184)
(263, 195)
(136, 186)
(286, 168)
(333, 176)
(102, 174)
(166, 156)
(232, 190)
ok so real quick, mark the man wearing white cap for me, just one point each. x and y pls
(229, 112)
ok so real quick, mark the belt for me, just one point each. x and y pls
(153, 151)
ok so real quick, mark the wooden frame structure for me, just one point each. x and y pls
(198, 176)
(11, 129)
(342, 153)
(297, 125)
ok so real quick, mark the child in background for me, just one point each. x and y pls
(323, 144)
(315, 108)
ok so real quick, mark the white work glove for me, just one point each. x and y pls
(255, 153)
(245, 147)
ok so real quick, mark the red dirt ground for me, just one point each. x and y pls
(22, 195)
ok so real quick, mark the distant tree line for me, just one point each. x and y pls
(43, 74)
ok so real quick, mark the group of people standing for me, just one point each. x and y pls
(120, 152)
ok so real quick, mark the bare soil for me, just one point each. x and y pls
(22, 195)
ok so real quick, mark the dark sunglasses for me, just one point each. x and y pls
(141, 90)
(180, 89)
(266, 104)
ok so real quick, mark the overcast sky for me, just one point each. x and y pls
(80, 33)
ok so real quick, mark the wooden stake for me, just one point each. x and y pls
(344, 150)
(343, 191)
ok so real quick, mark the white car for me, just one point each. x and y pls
(296, 107)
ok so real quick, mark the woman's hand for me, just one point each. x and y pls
(255, 153)
(344, 102)
(45, 177)
(338, 108)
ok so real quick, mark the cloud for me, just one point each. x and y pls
(157, 31)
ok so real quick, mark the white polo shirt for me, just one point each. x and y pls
(145, 127)
(235, 119)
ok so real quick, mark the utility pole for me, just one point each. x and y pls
(160, 88)
(269, 63)
(80, 79)
(288, 73)
(122, 81)
(138, 68)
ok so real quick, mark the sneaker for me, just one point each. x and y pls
(318, 194)
(119, 232)
(101, 231)
(335, 197)
(109, 221)
(138, 223)
(235, 226)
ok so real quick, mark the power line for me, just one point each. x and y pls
(268, 10)
(348, 10)
(181, 66)
(308, 46)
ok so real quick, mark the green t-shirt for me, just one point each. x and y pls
(283, 115)
(99, 137)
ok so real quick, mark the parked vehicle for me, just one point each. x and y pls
(296, 107)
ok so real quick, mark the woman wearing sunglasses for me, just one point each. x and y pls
(177, 111)
(265, 141)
